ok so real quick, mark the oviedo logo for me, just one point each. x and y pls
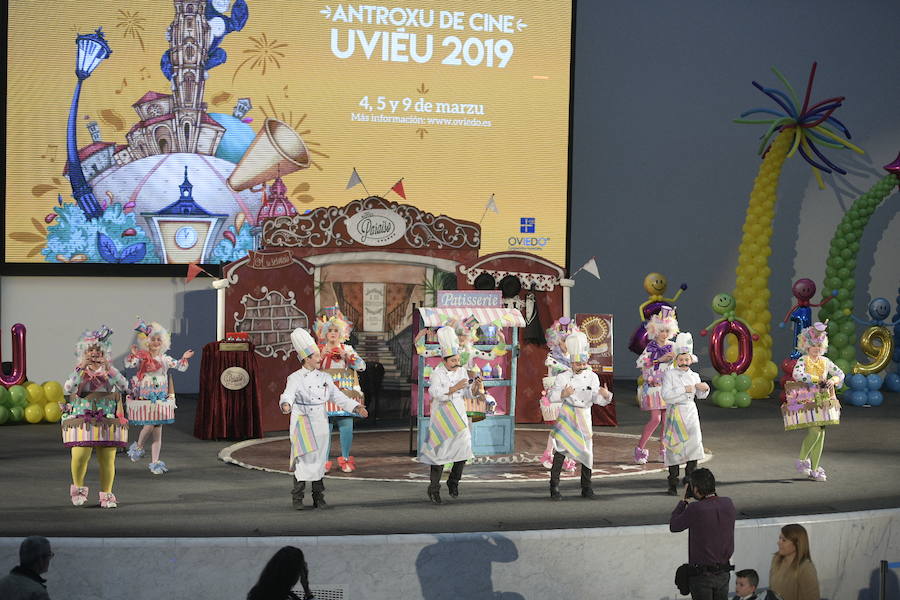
(234, 378)
(376, 227)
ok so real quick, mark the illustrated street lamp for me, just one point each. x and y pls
(92, 50)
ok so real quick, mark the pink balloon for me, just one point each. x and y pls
(18, 361)
(717, 347)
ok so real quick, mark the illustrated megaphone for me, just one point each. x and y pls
(277, 150)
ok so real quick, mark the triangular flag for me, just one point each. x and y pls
(591, 267)
(398, 189)
(354, 179)
(193, 271)
(491, 205)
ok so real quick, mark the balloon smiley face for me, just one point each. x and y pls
(655, 284)
(804, 289)
(723, 303)
(879, 309)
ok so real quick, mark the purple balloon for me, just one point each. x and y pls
(717, 347)
(17, 375)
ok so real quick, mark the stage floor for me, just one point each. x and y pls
(202, 496)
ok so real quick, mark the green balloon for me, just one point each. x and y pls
(742, 383)
(848, 327)
(848, 353)
(838, 339)
(742, 399)
(4, 414)
(5, 398)
(16, 414)
(18, 393)
(844, 272)
(726, 383)
(724, 399)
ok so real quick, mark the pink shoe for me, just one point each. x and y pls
(640, 455)
(804, 466)
(344, 464)
(351, 462)
(818, 475)
(108, 500)
(547, 460)
(79, 494)
(569, 465)
(327, 465)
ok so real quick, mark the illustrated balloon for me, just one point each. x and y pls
(17, 375)
(35, 394)
(878, 344)
(52, 412)
(717, 347)
(34, 413)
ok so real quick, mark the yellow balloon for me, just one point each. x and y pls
(731, 353)
(52, 412)
(35, 394)
(760, 387)
(53, 391)
(34, 413)
(770, 370)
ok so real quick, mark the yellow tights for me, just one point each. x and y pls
(106, 456)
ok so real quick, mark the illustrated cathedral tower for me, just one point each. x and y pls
(189, 40)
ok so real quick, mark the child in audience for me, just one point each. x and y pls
(745, 584)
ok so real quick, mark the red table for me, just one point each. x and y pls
(223, 413)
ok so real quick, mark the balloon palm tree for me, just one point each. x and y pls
(794, 128)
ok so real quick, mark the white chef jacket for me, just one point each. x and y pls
(674, 382)
(459, 447)
(586, 384)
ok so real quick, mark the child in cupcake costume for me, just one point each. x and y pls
(93, 417)
(150, 403)
(333, 330)
(811, 403)
(653, 362)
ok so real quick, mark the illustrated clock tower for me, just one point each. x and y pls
(184, 230)
(189, 38)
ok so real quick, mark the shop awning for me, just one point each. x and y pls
(502, 317)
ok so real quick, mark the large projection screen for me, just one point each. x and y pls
(178, 112)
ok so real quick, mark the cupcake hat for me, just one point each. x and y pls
(99, 337)
(684, 344)
(448, 341)
(303, 343)
(578, 346)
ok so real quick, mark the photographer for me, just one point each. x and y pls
(710, 524)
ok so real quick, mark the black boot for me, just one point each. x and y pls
(586, 490)
(434, 488)
(688, 469)
(318, 494)
(555, 471)
(674, 470)
(455, 476)
(297, 494)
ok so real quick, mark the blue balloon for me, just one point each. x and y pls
(856, 397)
(857, 381)
(802, 318)
(873, 382)
(892, 382)
(874, 398)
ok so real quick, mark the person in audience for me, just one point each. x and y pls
(578, 390)
(24, 582)
(333, 331)
(793, 574)
(683, 440)
(304, 397)
(280, 575)
(709, 520)
(745, 583)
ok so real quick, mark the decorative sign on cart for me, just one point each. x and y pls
(234, 378)
(599, 331)
(376, 227)
(269, 260)
(474, 298)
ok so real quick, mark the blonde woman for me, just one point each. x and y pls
(793, 574)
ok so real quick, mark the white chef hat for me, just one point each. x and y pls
(578, 347)
(303, 343)
(448, 340)
(684, 344)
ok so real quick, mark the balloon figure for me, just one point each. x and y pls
(841, 264)
(801, 313)
(655, 285)
(17, 375)
(732, 386)
(796, 125)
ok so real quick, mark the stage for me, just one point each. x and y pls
(202, 496)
